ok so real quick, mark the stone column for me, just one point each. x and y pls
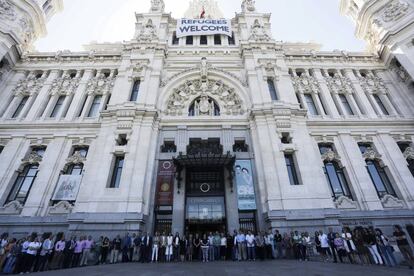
(79, 96)
(285, 89)
(35, 110)
(10, 160)
(360, 95)
(318, 104)
(397, 165)
(326, 94)
(268, 181)
(48, 171)
(12, 107)
(8, 93)
(369, 199)
(353, 104)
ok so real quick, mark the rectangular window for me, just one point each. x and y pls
(217, 39)
(20, 107)
(117, 172)
(58, 106)
(346, 105)
(379, 178)
(175, 39)
(380, 104)
(94, 110)
(231, 39)
(23, 184)
(272, 89)
(203, 40)
(135, 91)
(189, 40)
(1, 149)
(311, 104)
(290, 165)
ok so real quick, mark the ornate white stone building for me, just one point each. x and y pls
(211, 132)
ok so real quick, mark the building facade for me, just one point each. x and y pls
(22, 22)
(206, 133)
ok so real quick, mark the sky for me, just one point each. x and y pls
(84, 21)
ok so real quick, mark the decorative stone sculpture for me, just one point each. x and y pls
(395, 11)
(248, 6)
(11, 208)
(409, 153)
(258, 32)
(32, 158)
(204, 68)
(100, 85)
(344, 202)
(7, 11)
(64, 85)
(29, 86)
(180, 100)
(157, 6)
(389, 201)
(148, 32)
(61, 208)
(330, 156)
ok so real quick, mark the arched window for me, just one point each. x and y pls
(334, 173)
(376, 170)
(23, 184)
(204, 106)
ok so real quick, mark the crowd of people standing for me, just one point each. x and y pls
(49, 252)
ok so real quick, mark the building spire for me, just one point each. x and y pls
(157, 6)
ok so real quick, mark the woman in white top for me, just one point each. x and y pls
(34, 246)
(349, 244)
(169, 247)
(223, 245)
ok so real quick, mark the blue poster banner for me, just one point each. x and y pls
(245, 186)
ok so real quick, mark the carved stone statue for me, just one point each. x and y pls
(248, 6)
(204, 106)
(258, 32)
(204, 68)
(157, 6)
(148, 32)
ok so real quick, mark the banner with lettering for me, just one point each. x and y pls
(245, 187)
(67, 187)
(165, 183)
(188, 27)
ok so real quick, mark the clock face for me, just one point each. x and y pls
(165, 187)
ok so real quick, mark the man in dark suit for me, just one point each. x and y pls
(146, 245)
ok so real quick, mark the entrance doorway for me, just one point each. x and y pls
(205, 201)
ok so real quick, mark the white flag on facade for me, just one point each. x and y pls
(67, 187)
(188, 27)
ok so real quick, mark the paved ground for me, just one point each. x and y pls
(285, 267)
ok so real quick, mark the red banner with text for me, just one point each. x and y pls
(165, 183)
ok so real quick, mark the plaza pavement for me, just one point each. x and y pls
(283, 267)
